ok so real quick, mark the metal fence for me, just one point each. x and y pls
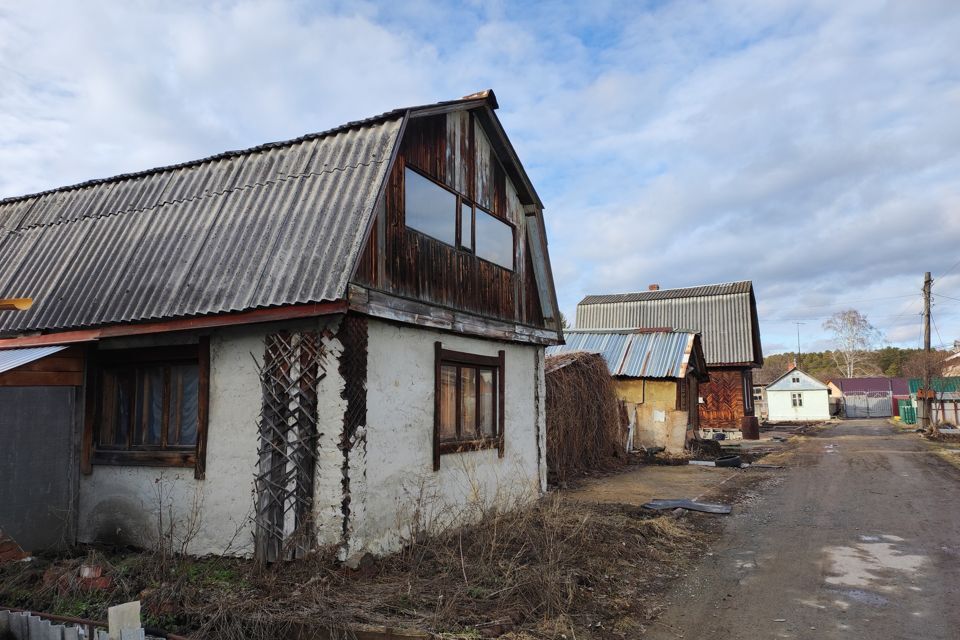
(867, 404)
(24, 625)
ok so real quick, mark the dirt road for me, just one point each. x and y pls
(858, 538)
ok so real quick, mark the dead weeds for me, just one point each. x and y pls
(558, 569)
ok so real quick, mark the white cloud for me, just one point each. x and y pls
(807, 146)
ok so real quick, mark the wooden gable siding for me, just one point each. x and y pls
(452, 149)
(723, 401)
(62, 369)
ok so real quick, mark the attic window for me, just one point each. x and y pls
(795, 379)
(430, 208)
(434, 210)
(494, 239)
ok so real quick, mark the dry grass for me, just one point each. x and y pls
(558, 568)
(585, 424)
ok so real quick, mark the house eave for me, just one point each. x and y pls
(256, 316)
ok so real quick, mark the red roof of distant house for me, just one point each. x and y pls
(897, 386)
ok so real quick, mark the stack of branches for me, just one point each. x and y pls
(586, 425)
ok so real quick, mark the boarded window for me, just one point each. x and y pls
(430, 208)
(494, 239)
(469, 404)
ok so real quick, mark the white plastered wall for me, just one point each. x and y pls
(393, 486)
(390, 481)
(816, 405)
(122, 503)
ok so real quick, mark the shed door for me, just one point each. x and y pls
(37, 465)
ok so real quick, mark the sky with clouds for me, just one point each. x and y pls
(811, 147)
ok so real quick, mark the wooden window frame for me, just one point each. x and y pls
(796, 399)
(155, 456)
(458, 232)
(460, 358)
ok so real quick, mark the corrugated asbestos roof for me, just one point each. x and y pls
(13, 358)
(274, 225)
(656, 354)
(725, 315)
(721, 289)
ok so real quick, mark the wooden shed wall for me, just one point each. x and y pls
(454, 150)
(723, 399)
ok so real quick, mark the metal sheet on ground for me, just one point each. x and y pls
(692, 505)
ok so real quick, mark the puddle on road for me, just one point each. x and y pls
(867, 572)
(861, 596)
(868, 564)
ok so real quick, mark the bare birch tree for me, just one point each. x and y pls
(854, 338)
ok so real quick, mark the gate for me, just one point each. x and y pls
(38, 466)
(867, 404)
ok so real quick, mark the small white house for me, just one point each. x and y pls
(797, 397)
(336, 340)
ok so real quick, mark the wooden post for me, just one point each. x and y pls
(926, 423)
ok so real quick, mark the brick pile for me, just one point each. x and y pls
(10, 551)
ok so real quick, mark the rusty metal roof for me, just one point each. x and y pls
(648, 354)
(724, 314)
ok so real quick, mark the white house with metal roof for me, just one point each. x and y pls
(286, 346)
(796, 396)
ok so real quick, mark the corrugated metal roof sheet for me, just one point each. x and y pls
(274, 225)
(725, 315)
(939, 385)
(658, 354)
(896, 386)
(13, 358)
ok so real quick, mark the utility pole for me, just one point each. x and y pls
(798, 343)
(927, 401)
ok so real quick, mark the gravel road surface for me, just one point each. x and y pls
(857, 538)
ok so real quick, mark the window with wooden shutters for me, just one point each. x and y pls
(150, 406)
(468, 402)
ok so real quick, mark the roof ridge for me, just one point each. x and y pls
(656, 291)
(354, 124)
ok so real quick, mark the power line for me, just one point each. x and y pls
(947, 272)
(939, 337)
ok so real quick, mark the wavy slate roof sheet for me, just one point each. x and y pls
(657, 354)
(725, 316)
(273, 225)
